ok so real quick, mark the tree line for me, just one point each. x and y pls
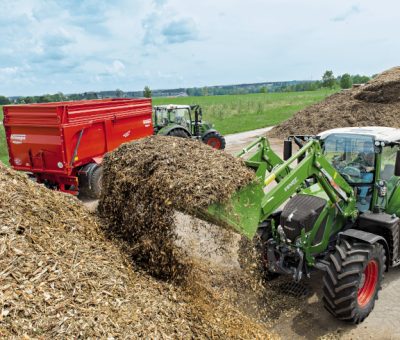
(328, 80)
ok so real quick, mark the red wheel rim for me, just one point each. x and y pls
(368, 287)
(214, 142)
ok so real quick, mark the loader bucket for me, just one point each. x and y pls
(241, 213)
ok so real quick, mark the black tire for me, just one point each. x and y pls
(178, 133)
(215, 140)
(353, 279)
(252, 255)
(95, 182)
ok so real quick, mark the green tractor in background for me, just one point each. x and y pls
(186, 121)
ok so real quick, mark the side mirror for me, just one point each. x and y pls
(397, 166)
(287, 149)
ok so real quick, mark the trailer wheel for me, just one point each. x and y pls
(95, 182)
(215, 140)
(178, 133)
(353, 279)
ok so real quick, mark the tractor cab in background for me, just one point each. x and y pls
(185, 121)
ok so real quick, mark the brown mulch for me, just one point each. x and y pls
(146, 180)
(377, 103)
(61, 278)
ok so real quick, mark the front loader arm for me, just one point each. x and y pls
(264, 156)
(252, 204)
(312, 164)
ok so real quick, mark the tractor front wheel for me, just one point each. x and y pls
(353, 279)
(215, 140)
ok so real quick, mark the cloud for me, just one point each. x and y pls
(157, 32)
(58, 39)
(151, 32)
(165, 25)
(88, 45)
(180, 31)
(8, 71)
(160, 2)
(350, 12)
(117, 68)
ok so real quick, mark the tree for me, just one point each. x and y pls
(4, 100)
(46, 98)
(119, 93)
(29, 100)
(263, 89)
(328, 79)
(90, 95)
(346, 81)
(147, 92)
(357, 79)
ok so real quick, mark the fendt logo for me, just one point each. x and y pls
(292, 183)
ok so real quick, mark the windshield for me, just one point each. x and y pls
(353, 156)
(162, 117)
(179, 115)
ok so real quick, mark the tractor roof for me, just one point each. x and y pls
(379, 133)
(172, 107)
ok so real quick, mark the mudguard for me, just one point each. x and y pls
(207, 132)
(167, 129)
(367, 237)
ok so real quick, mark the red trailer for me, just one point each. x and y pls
(63, 144)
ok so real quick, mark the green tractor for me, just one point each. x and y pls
(340, 194)
(186, 121)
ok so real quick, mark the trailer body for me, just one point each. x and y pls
(55, 141)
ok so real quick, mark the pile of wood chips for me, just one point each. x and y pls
(377, 103)
(61, 278)
(146, 180)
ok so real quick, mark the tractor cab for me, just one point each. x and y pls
(186, 121)
(165, 115)
(366, 159)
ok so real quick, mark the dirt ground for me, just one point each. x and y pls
(309, 320)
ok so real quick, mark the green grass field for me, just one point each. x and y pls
(237, 113)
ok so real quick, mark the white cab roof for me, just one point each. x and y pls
(380, 133)
(172, 107)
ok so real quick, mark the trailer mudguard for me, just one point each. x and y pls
(167, 129)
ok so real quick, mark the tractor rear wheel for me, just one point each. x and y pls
(353, 279)
(178, 133)
(215, 140)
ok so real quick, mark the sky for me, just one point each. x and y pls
(75, 46)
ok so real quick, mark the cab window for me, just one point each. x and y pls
(388, 166)
(353, 156)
